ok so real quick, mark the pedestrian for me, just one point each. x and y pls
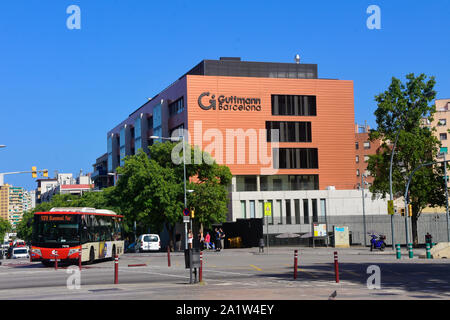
(201, 240)
(222, 238)
(207, 241)
(178, 241)
(217, 238)
(190, 238)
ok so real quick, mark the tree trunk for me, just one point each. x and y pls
(170, 229)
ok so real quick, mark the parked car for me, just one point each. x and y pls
(19, 243)
(148, 242)
(20, 252)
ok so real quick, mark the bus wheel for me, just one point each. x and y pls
(91, 256)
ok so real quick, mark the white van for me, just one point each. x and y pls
(148, 242)
(20, 252)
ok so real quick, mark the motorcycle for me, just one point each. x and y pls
(377, 242)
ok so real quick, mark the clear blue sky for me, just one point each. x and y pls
(61, 90)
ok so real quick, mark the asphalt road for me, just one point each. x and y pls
(234, 274)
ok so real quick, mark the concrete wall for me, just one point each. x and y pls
(343, 208)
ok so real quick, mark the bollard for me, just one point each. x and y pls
(168, 256)
(295, 264)
(410, 250)
(399, 252)
(200, 273)
(79, 258)
(56, 261)
(336, 266)
(428, 251)
(116, 269)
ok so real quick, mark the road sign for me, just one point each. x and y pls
(267, 209)
(186, 212)
(391, 207)
(186, 219)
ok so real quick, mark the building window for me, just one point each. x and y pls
(442, 136)
(357, 159)
(357, 172)
(297, 211)
(246, 183)
(366, 158)
(289, 131)
(288, 212)
(252, 209)
(314, 210)
(177, 131)
(176, 107)
(150, 122)
(243, 211)
(367, 145)
(292, 105)
(305, 211)
(295, 158)
(356, 145)
(442, 122)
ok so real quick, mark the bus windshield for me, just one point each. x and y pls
(56, 229)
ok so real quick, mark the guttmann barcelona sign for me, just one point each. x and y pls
(231, 103)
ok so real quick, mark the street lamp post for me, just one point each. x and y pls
(184, 174)
(446, 195)
(364, 209)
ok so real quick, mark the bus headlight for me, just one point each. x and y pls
(72, 251)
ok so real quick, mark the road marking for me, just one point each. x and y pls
(352, 273)
(307, 272)
(259, 269)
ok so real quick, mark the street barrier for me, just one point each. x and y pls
(116, 269)
(410, 250)
(399, 252)
(168, 256)
(336, 266)
(295, 264)
(428, 251)
(79, 258)
(200, 273)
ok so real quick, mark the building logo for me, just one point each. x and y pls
(231, 103)
(212, 101)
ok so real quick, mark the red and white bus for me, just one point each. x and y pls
(61, 232)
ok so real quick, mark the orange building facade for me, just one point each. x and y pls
(287, 136)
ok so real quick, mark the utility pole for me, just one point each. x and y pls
(364, 209)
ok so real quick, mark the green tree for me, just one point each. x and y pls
(24, 228)
(5, 226)
(401, 110)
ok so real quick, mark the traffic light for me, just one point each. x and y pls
(402, 211)
(45, 173)
(33, 172)
(192, 212)
(410, 210)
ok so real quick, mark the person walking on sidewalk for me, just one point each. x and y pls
(207, 241)
(222, 238)
(217, 238)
